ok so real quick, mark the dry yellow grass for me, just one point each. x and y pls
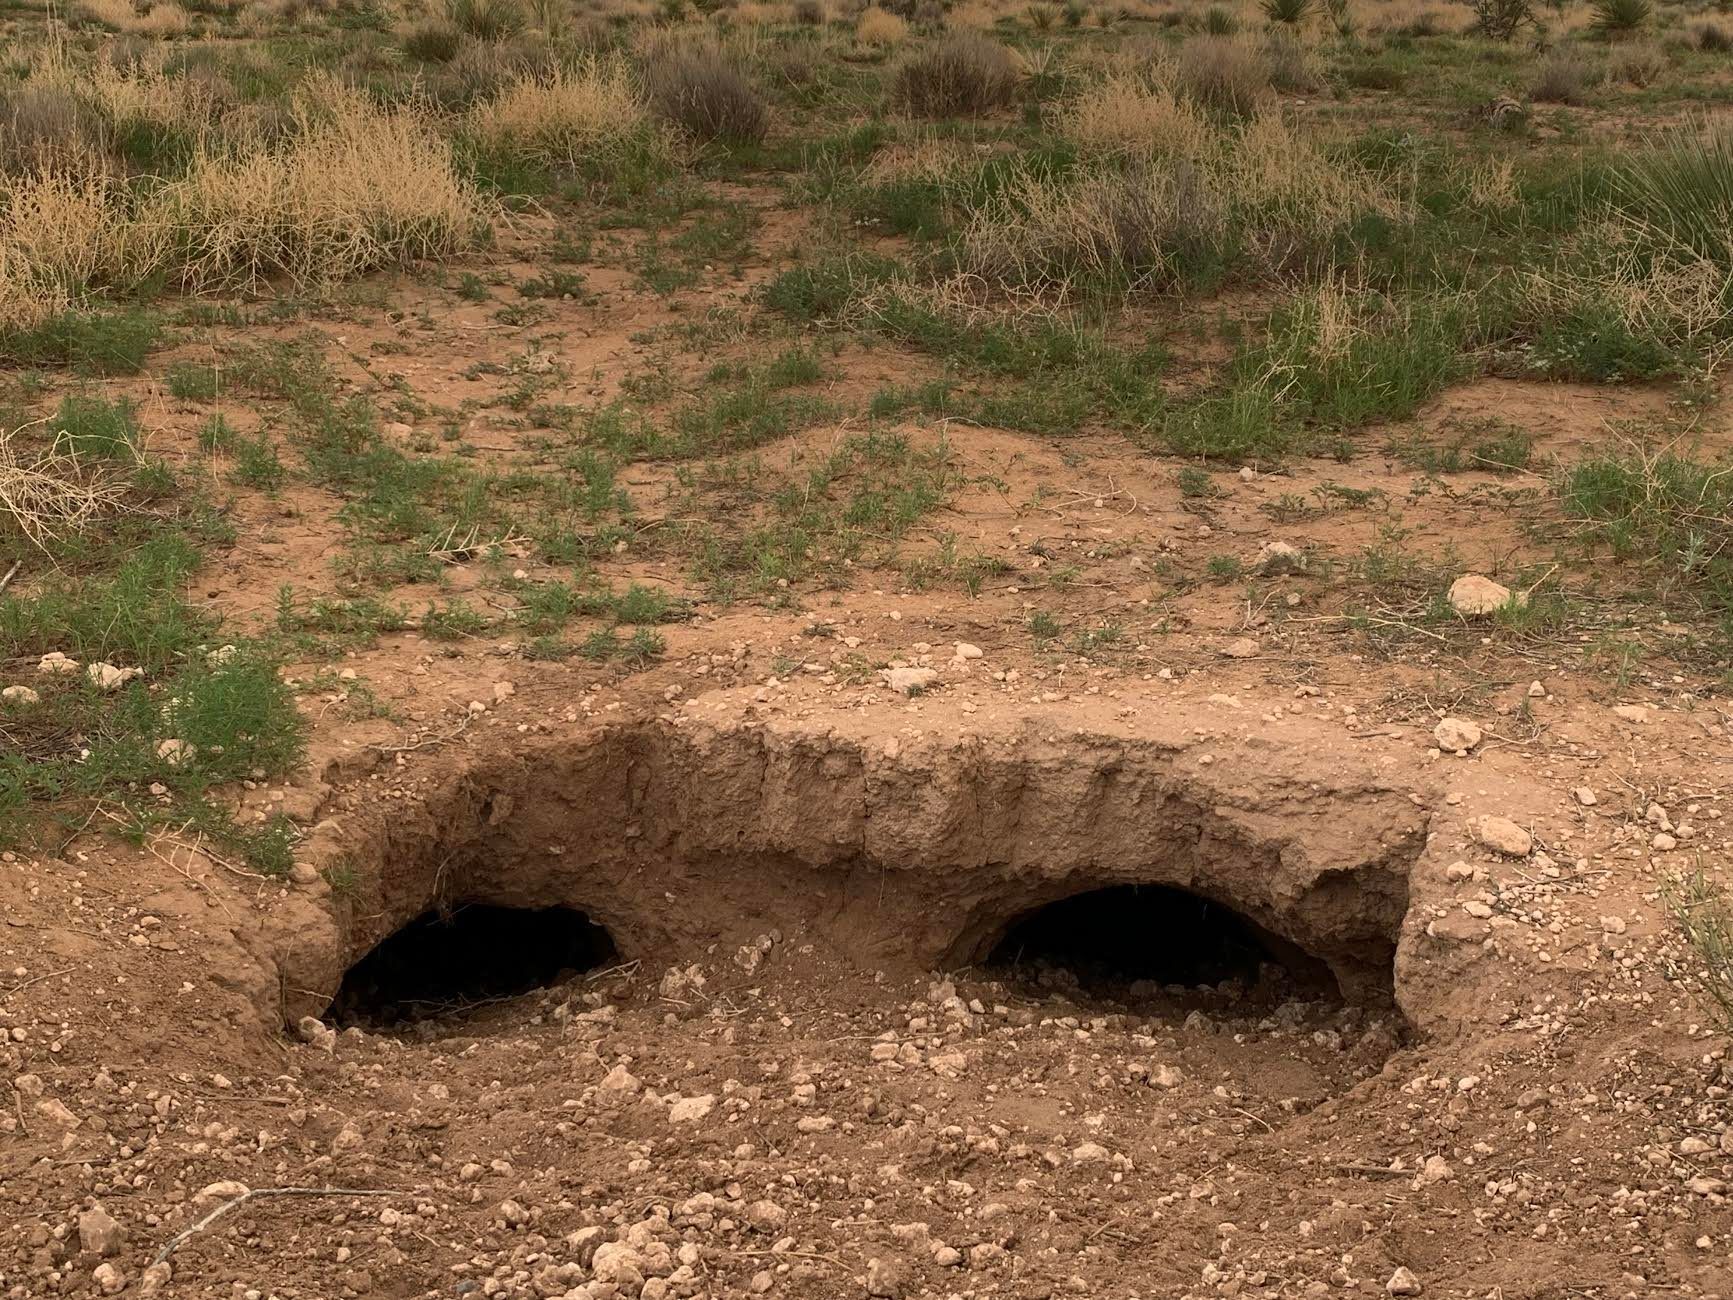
(590, 114)
(162, 19)
(1126, 117)
(352, 189)
(880, 28)
(59, 234)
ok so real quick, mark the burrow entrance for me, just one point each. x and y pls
(442, 963)
(1140, 940)
(1098, 858)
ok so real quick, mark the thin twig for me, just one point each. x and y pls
(10, 574)
(174, 1243)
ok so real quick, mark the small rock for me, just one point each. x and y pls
(1403, 1282)
(909, 681)
(1536, 691)
(512, 1214)
(155, 1278)
(689, 1110)
(226, 1189)
(1476, 594)
(1090, 1153)
(1457, 735)
(1477, 909)
(57, 1114)
(1613, 924)
(20, 695)
(967, 651)
(1241, 647)
(619, 1079)
(100, 1233)
(1663, 842)
(1631, 712)
(1584, 796)
(1501, 835)
(109, 1278)
(304, 874)
(106, 677)
(55, 663)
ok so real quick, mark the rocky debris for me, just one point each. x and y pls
(1475, 594)
(1456, 735)
(620, 1080)
(100, 1233)
(1501, 835)
(20, 695)
(55, 663)
(106, 677)
(909, 681)
(109, 1279)
(1241, 647)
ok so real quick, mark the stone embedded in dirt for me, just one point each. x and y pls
(1477, 909)
(155, 1278)
(1501, 835)
(1631, 712)
(909, 680)
(1536, 690)
(512, 1214)
(884, 1279)
(1612, 925)
(947, 1256)
(106, 677)
(1090, 1153)
(304, 873)
(108, 1278)
(55, 663)
(1436, 1170)
(20, 695)
(1279, 557)
(1663, 842)
(1457, 735)
(689, 1110)
(1241, 647)
(100, 1233)
(619, 1079)
(1403, 1282)
(1476, 594)
(1584, 796)
(316, 1033)
(966, 651)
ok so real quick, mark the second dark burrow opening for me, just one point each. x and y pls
(446, 962)
(1136, 939)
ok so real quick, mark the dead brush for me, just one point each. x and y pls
(351, 189)
(588, 115)
(698, 89)
(48, 493)
(1127, 117)
(959, 75)
(1225, 74)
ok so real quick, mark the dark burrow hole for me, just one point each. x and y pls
(447, 962)
(1145, 941)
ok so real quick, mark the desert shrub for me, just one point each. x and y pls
(1127, 117)
(353, 188)
(698, 89)
(486, 20)
(1712, 37)
(61, 234)
(435, 42)
(1288, 12)
(1262, 197)
(1500, 19)
(960, 74)
(1224, 75)
(1219, 22)
(1563, 77)
(49, 128)
(577, 118)
(1342, 19)
(879, 27)
(1290, 63)
(1620, 17)
(1680, 193)
(1639, 64)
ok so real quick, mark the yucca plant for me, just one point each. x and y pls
(1342, 18)
(1682, 192)
(1219, 22)
(1290, 12)
(1621, 17)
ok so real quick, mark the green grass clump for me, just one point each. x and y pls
(90, 343)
